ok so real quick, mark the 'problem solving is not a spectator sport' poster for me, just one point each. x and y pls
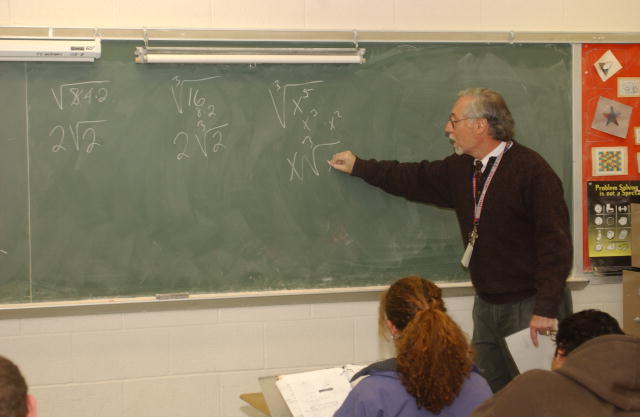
(609, 222)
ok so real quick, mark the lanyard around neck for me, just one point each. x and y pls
(477, 211)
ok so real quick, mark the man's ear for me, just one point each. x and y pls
(31, 406)
(481, 126)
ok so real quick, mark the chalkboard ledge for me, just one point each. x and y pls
(233, 299)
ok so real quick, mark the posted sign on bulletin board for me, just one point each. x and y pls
(610, 152)
(609, 222)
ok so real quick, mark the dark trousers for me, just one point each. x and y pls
(491, 323)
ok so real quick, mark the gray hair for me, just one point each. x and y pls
(489, 104)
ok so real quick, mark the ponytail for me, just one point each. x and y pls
(433, 355)
(433, 359)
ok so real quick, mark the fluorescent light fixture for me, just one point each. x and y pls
(49, 50)
(192, 55)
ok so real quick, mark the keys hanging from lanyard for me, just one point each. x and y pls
(466, 257)
(473, 235)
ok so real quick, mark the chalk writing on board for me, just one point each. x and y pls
(178, 92)
(281, 92)
(210, 137)
(208, 133)
(76, 94)
(305, 160)
(332, 122)
(82, 132)
(80, 135)
(299, 102)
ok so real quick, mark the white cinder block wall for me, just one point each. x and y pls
(194, 359)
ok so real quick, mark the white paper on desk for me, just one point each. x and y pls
(316, 393)
(526, 355)
(349, 370)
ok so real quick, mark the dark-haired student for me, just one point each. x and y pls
(596, 373)
(14, 399)
(433, 372)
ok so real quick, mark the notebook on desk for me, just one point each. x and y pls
(315, 393)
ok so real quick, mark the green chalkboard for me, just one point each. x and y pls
(120, 179)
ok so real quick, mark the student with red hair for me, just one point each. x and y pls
(433, 373)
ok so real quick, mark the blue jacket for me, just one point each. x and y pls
(381, 394)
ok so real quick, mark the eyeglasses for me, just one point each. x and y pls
(453, 122)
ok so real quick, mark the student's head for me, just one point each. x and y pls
(579, 328)
(490, 105)
(405, 298)
(433, 355)
(14, 400)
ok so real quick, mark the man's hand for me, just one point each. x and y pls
(540, 325)
(343, 161)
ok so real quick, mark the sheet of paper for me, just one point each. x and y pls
(316, 393)
(526, 355)
(350, 370)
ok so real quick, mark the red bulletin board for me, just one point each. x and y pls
(606, 166)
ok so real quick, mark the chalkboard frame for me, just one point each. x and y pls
(360, 188)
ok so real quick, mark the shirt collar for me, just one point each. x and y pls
(494, 153)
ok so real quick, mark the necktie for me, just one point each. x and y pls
(480, 175)
(488, 168)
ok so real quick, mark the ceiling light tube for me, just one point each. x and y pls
(158, 55)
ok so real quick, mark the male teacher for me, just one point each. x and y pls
(512, 216)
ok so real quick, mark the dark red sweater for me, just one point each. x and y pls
(524, 245)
